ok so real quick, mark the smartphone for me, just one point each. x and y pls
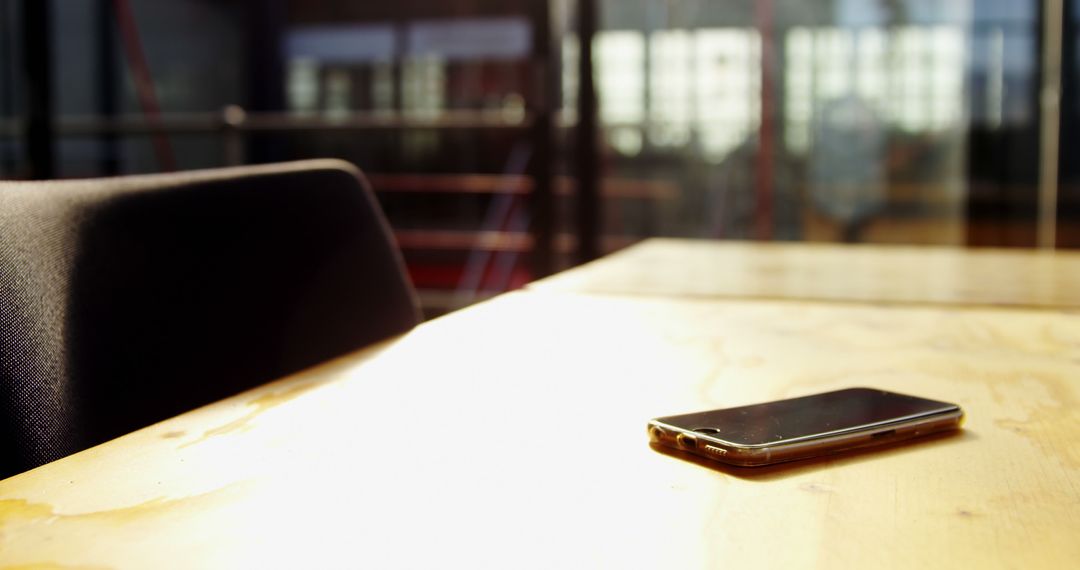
(798, 428)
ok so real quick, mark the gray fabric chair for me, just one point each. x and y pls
(125, 301)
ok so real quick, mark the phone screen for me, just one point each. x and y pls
(781, 420)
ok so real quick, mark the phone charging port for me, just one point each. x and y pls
(882, 434)
(686, 441)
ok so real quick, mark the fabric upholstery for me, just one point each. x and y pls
(125, 301)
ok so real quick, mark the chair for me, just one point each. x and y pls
(125, 301)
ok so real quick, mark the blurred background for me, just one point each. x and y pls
(508, 139)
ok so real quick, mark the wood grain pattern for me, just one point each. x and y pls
(832, 272)
(512, 434)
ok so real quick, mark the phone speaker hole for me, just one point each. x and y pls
(713, 450)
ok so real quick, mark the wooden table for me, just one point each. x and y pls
(831, 272)
(512, 435)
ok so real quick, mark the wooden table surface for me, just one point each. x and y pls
(512, 434)
(831, 272)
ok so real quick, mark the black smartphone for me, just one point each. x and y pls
(798, 428)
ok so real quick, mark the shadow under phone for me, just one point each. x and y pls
(787, 469)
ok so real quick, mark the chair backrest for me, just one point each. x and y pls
(125, 301)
